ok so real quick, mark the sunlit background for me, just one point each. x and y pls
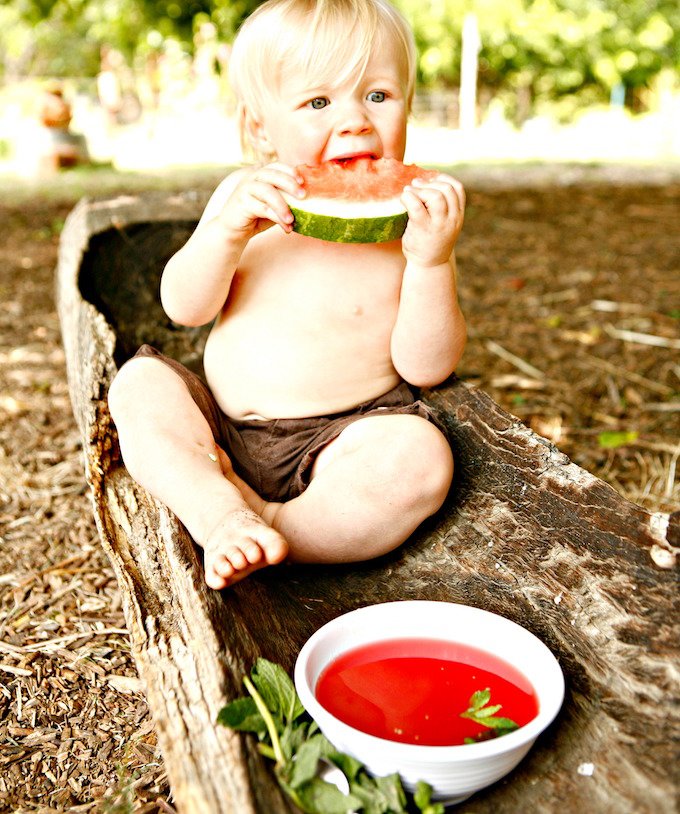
(142, 83)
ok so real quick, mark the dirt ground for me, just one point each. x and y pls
(572, 294)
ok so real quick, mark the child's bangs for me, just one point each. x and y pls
(327, 58)
(334, 41)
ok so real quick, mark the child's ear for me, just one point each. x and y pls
(257, 135)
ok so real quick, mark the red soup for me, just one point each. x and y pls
(414, 690)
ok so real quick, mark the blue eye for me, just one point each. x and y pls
(319, 103)
(377, 96)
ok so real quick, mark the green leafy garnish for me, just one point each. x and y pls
(273, 712)
(480, 713)
(422, 798)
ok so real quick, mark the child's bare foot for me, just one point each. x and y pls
(240, 544)
(239, 541)
(256, 503)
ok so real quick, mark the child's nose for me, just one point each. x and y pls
(353, 122)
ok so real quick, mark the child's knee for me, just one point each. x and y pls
(419, 463)
(130, 385)
(430, 464)
(122, 388)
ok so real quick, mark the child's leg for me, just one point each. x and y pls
(167, 445)
(371, 488)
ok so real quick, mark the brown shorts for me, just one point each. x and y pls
(275, 457)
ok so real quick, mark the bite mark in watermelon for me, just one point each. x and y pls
(355, 201)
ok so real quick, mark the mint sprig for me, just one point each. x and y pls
(480, 713)
(286, 734)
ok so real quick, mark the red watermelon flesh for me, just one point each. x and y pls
(361, 179)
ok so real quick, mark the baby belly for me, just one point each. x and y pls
(281, 374)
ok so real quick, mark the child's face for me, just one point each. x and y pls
(308, 122)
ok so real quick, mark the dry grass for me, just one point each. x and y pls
(573, 300)
(74, 727)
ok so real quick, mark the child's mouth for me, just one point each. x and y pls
(343, 160)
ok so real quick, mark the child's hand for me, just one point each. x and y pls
(435, 218)
(257, 203)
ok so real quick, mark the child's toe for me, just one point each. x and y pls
(275, 547)
(218, 573)
(223, 566)
(237, 558)
(252, 552)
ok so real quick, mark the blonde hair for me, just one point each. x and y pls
(331, 40)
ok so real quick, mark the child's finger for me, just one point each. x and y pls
(263, 191)
(279, 177)
(415, 206)
(290, 172)
(456, 186)
(451, 188)
(434, 200)
(442, 186)
(287, 169)
(275, 207)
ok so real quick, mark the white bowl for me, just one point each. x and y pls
(454, 772)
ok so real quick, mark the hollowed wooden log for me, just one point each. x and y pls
(524, 533)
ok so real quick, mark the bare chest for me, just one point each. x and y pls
(299, 278)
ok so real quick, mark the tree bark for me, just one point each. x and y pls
(525, 533)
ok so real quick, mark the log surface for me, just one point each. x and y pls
(525, 533)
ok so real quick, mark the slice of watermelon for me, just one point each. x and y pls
(355, 201)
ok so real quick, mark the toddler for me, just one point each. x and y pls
(307, 441)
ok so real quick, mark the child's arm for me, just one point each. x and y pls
(196, 280)
(429, 334)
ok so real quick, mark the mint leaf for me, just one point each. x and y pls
(393, 792)
(319, 797)
(422, 794)
(369, 802)
(286, 744)
(487, 712)
(293, 737)
(306, 761)
(348, 765)
(277, 690)
(379, 795)
(480, 699)
(478, 712)
(422, 797)
(505, 724)
(242, 714)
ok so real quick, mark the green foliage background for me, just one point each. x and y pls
(552, 48)
(548, 50)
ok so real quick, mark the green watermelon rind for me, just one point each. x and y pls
(380, 229)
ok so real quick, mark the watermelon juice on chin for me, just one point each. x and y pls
(355, 201)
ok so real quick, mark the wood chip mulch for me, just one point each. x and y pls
(75, 733)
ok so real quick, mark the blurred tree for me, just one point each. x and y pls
(558, 52)
(568, 51)
(63, 37)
